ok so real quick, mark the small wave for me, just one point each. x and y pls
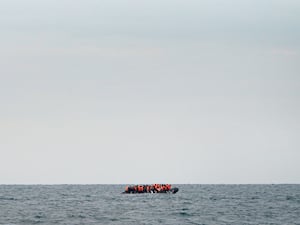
(77, 216)
(254, 197)
(295, 198)
(184, 214)
(213, 198)
(187, 203)
(8, 198)
(38, 216)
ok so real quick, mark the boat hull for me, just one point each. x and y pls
(171, 191)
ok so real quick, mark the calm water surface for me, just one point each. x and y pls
(193, 204)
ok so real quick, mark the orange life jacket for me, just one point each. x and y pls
(140, 188)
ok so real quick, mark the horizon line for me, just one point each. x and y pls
(40, 184)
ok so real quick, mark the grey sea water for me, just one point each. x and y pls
(193, 204)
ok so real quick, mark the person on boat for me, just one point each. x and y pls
(127, 190)
(154, 188)
(140, 189)
(134, 189)
(148, 188)
(157, 188)
(151, 188)
(168, 187)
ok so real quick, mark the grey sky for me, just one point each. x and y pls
(149, 91)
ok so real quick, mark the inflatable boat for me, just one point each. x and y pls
(153, 188)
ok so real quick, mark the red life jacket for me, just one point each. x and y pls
(168, 187)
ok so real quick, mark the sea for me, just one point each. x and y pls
(193, 204)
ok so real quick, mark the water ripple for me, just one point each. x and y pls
(193, 204)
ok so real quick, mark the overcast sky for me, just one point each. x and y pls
(160, 91)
